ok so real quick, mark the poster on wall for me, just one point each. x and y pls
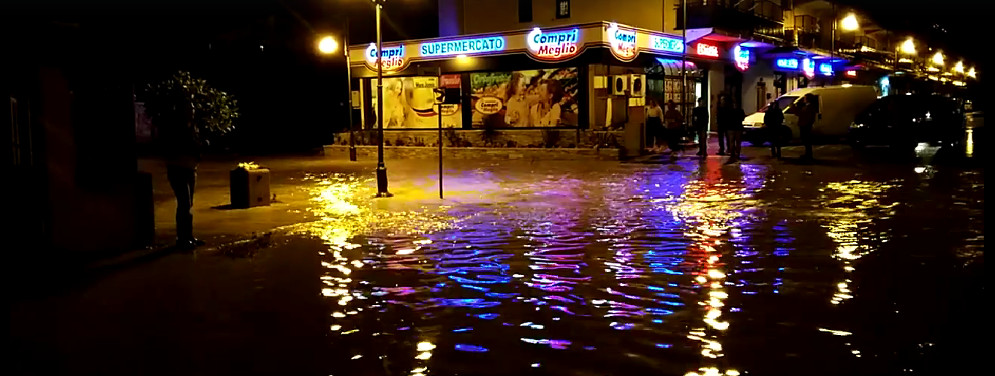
(409, 102)
(528, 98)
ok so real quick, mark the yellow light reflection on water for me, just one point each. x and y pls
(852, 202)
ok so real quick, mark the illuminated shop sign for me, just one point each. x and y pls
(741, 56)
(393, 58)
(826, 69)
(622, 42)
(705, 49)
(462, 46)
(555, 45)
(786, 63)
(808, 67)
(666, 44)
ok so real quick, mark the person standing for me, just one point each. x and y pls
(806, 120)
(722, 118)
(675, 122)
(774, 122)
(699, 121)
(734, 129)
(654, 125)
(181, 148)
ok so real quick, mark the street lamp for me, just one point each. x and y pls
(959, 67)
(909, 47)
(971, 73)
(938, 58)
(849, 23)
(381, 168)
(327, 45)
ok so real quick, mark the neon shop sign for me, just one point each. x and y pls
(462, 46)
(666, 44)
(622, 42)
(785, 63)
(393, 58)
(556, 45)
(826, 69)
(741, 57)
(808, 67)
(705, 49)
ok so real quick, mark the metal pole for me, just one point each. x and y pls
(684, 63)
(381, 169)
(348, 77)
(832, 48)
(439, 115)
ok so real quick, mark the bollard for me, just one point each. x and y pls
(249, 186)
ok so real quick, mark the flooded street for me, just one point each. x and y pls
(567, 268)
(691, 268)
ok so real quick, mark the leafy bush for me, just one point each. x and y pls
(168, 103)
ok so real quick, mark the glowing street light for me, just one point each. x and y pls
(959, 68)
(328, 45)
(849, 23)
(909, 47)
(938, 58)
(971, 73)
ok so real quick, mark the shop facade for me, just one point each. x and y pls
(573, 79)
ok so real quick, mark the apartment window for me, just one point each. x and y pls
(562, 8)
(524, 10)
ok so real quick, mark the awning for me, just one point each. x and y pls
(711, 34)
(672, 67)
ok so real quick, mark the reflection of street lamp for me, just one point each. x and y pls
(971, 73)
(849, 23)
(328, 45)
(959, 68)
(381, 168)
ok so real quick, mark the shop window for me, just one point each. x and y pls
(525, 99)
(524, 10)
(562, 9)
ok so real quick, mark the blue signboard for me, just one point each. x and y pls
(462, 46)
(786, 63)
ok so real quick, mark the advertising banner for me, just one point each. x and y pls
(409, 102)
(527, 98)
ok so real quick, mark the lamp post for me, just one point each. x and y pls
(381, 168)
(327, 46)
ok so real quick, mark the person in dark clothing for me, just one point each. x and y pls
(734, 130)
(806, 119)
(699, 121)
(674, 121)
(774, 122)
(181, 148)
(722, 118)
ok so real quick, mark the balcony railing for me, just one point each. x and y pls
(738, 15)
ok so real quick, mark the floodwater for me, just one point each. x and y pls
(693, 268)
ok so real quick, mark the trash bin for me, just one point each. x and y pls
(249, 187)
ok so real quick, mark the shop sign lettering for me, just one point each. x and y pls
(393, 58)
(556, 45)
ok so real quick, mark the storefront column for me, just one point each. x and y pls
(755, 90)
(716, 84)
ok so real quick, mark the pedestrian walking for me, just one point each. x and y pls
(654, 126)
(806, 120)
(674, 121)
(774, 124)
(699, 121)
(734, 130)
(181, 148)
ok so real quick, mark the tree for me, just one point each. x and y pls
(168, 102)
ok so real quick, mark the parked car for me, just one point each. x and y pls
(906, 120)
(836, 106)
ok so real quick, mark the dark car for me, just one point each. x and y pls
(902, 121)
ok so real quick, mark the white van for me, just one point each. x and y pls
(836, 106)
